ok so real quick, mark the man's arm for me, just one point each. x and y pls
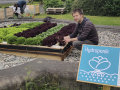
(73, 39)
(86, 30)
(67, 40)
(74, 34)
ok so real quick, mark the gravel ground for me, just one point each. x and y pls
(106, 38)
(9, 60)
(9, 23)
(109, 38)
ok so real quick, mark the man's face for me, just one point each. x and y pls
(77, 17)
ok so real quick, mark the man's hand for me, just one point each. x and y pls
(66, 37)
(68, 40)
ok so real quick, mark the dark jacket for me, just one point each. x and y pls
(22, 5)
(85, 31)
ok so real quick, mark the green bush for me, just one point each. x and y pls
(77, 4)
(98, 7)
(112, 8)
(68, 5)
(52, 4)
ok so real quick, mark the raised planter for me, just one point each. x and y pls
(45, 43)
(59, 53)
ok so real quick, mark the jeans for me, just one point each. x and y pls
(23, 8)
(78, 44)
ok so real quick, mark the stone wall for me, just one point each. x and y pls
(15, 77)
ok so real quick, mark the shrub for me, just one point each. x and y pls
(112, 8)
(77, 4)
(68, 5)
(52, 4)
(98, 7)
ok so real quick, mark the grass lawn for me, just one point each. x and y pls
(98, 20)
(33, 3)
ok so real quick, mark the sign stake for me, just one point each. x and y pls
(106, 87)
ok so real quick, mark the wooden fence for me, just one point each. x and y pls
(5, 13)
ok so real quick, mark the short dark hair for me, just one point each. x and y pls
(80, 11)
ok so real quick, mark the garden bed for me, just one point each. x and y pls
(59, 53)
(36, 38)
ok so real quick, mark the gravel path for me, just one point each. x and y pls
(9, 23)
(106, 38)
(109, 38)
(9, 60)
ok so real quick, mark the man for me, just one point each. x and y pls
(21, 4)
(85, 32)
(16, 11)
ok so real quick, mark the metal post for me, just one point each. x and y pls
(34, 10)
(42, 11)
(5, 13)
(39, 7)
(106, 87)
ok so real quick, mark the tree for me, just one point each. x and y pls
(98, 7)
(52, 4)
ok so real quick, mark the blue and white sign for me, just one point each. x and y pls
(100, 65)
